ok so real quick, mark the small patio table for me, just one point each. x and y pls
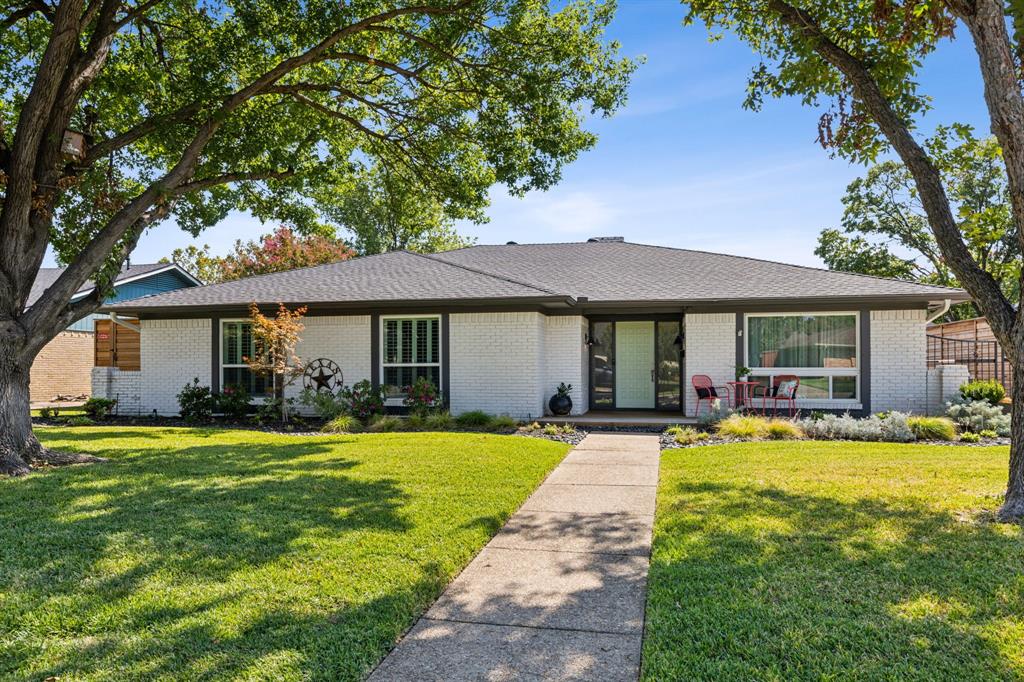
(741, 392)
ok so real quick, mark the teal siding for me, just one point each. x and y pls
(156, 284)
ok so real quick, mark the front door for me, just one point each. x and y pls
(634, 365)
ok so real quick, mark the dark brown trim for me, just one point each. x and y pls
(653, 319)
(446, 365)
(740, 340)
(864, 361)
(375, 351)
(215, 355)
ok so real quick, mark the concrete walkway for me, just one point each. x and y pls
(559, 593)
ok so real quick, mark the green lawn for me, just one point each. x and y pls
(834, 561)
(202, 554)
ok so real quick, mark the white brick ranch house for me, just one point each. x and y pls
(497, 328)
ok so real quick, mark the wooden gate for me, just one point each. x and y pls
(117, 346)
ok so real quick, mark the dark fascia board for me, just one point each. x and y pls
(550, 305)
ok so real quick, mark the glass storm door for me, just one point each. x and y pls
(634, 365)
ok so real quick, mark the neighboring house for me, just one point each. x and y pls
(497, 328)
(64, 366)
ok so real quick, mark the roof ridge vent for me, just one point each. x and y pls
(601, 240)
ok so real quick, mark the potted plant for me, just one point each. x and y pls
(742, 373)
(561, 402)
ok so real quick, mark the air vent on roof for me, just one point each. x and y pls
(606, 239)
(511, 243)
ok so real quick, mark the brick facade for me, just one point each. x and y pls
(711, 350)
(63, 367)
(172, 353)
(343, 339)
(898, 354)
(124, 386)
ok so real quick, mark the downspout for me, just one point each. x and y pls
(946, 303)
(124, 323)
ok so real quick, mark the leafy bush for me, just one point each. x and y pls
(325, 404)
(783, 429)
(439, 421)
(551, 430)
(99, 408)
(270, 410)
(477, 419)
(892, 428)
(745, 426)
(363, 399)
(343, 423)
(988, 433)
(978, 415)
(991, 391)
(79, 420)
(970, 437)
(563, 389)
(385, 423)
(421, 397)
(686, 435)
(505, 423)
(932, 428)
(712, 417)
(233, 402)
(195, 402)
(48, 412)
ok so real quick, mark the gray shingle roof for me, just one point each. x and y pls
(602, 272)
(47, 276)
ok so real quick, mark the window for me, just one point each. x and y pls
(821, 348)
(236, 344)
(411, 349)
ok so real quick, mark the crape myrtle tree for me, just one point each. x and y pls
(193, 108)
(860, 60)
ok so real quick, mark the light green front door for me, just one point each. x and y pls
(634, 365)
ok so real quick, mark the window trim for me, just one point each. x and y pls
(221, 364)
(397, 402)
(828, 372)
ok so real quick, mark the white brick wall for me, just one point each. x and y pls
(711, 350)
(343, 339)
(497, 363)
(125, 387)
(172, 353)
(898, 357)
(565, 359)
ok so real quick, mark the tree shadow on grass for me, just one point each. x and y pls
(197, 563)
(758, 582)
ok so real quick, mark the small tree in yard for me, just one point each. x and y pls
(275, 339)
(862, 58)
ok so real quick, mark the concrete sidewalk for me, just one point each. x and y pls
(559, 592)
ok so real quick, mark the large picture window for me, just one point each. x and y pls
(237, 344)
(821, 348)
(411, 349)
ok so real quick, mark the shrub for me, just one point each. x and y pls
(195, 402)
(506, 423)
(978, 415)
(477, 419)
(415, 422)
(551, 430)
(325, 404)
(970, 437)
(79, 420)
(893, 428)
(932, 428)
(421, 397)
(988, 433)
(99, 408)
(991, 391)
(783, 429)
(363, 399)
(270, 410)
(385, 423)
(712, 417)
(745, 426)
(440, 421)
(48, 412)
(343, 423)
(233, 402)
(687, 435)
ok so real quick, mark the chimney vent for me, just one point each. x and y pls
(605, 239)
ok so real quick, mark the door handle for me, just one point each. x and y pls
(652, 375)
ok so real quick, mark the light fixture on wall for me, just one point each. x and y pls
(588, 341)
(678, 342)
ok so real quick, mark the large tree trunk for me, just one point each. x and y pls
(1013, 504)
(19, 448)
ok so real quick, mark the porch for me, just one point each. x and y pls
(655, 419)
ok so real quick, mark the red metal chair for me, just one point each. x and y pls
(774, 395)
(707, 391)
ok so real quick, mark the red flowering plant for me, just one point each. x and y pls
(421, 397)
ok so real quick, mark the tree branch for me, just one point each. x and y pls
(206, 183)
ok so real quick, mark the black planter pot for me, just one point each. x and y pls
(560, 405)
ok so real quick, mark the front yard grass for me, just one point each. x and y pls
(821, 560)
(201, 554)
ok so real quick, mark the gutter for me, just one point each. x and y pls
(946, 303)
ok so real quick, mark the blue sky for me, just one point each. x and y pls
(684, 164)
